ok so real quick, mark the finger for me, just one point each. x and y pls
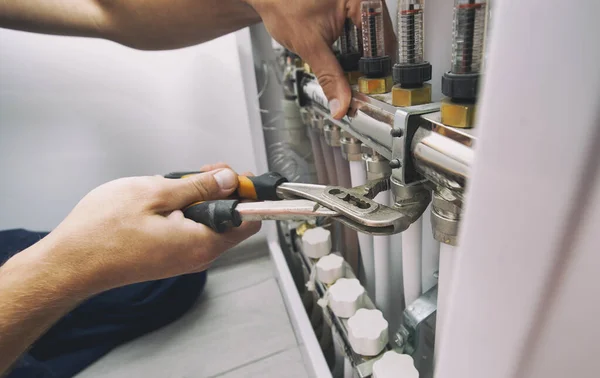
(176, 215)
(201, 187)
(209, 245)
(330, 75)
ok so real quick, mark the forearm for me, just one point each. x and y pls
(143, 24)
(34, 294)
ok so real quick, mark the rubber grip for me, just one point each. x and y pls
(257, 188)
(178, 175)
(260, 188)
(219, 215)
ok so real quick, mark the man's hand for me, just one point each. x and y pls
(131, 230)
(309, 28)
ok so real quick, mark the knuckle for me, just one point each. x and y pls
(202, 186)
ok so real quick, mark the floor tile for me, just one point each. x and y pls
(286, 364)
(219, 334)
(226, 279)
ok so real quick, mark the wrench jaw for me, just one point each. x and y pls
(355, 206)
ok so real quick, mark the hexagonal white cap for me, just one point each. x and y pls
(316, 242)
(346, 296)
(393, 365)
(368, 332)
(330, 268)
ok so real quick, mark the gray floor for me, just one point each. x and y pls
(238, 328)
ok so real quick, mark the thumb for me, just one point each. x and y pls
(206, 186)
(331, 77)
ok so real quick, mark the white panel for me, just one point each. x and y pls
(535, 137)
(567, 345)
(75, 113)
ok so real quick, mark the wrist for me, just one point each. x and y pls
(38, 266)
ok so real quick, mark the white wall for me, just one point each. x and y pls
(75, 113)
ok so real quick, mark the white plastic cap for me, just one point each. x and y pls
(330, 268)
(346, 296)
(316, 242)
(368, 332)
(393, 365)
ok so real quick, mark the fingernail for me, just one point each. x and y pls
(334, 106)
(226, 179)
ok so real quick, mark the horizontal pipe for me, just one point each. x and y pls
(436, 155)
(442, 160)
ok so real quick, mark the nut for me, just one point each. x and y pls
(378, 85)
(351, 147)
(444, 207)
(353, 77)
(460, 115)
(303, 227)
(332, 134)
(411, 96)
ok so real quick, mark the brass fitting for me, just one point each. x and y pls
(458, 114)
(353, 77)
(378, 85)
(302, 227)
(411, 96)
(307, 68)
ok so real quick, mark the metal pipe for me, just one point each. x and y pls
(411, 261)
(329, 163)
(445, 273)
(381, 251)
(349, 237)
(315, 142)
(358, 177)
(442, 160)
(441, 154)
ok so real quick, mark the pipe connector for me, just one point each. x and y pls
(445, 217)
(412, 200)
(377, 166)
(317, 122)
(306, 115)
(351, 147)
(332, 133)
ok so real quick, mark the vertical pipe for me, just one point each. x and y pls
(411, 261)
(430, 253)
(397, 283)
(445, 273)
(348, 369)
(329, 163)
(349, 237)
(358, 176)
(381, 251)
(315, 141)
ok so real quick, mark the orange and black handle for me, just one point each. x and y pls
(220, 215)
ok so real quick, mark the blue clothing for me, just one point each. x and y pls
(102, 322)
